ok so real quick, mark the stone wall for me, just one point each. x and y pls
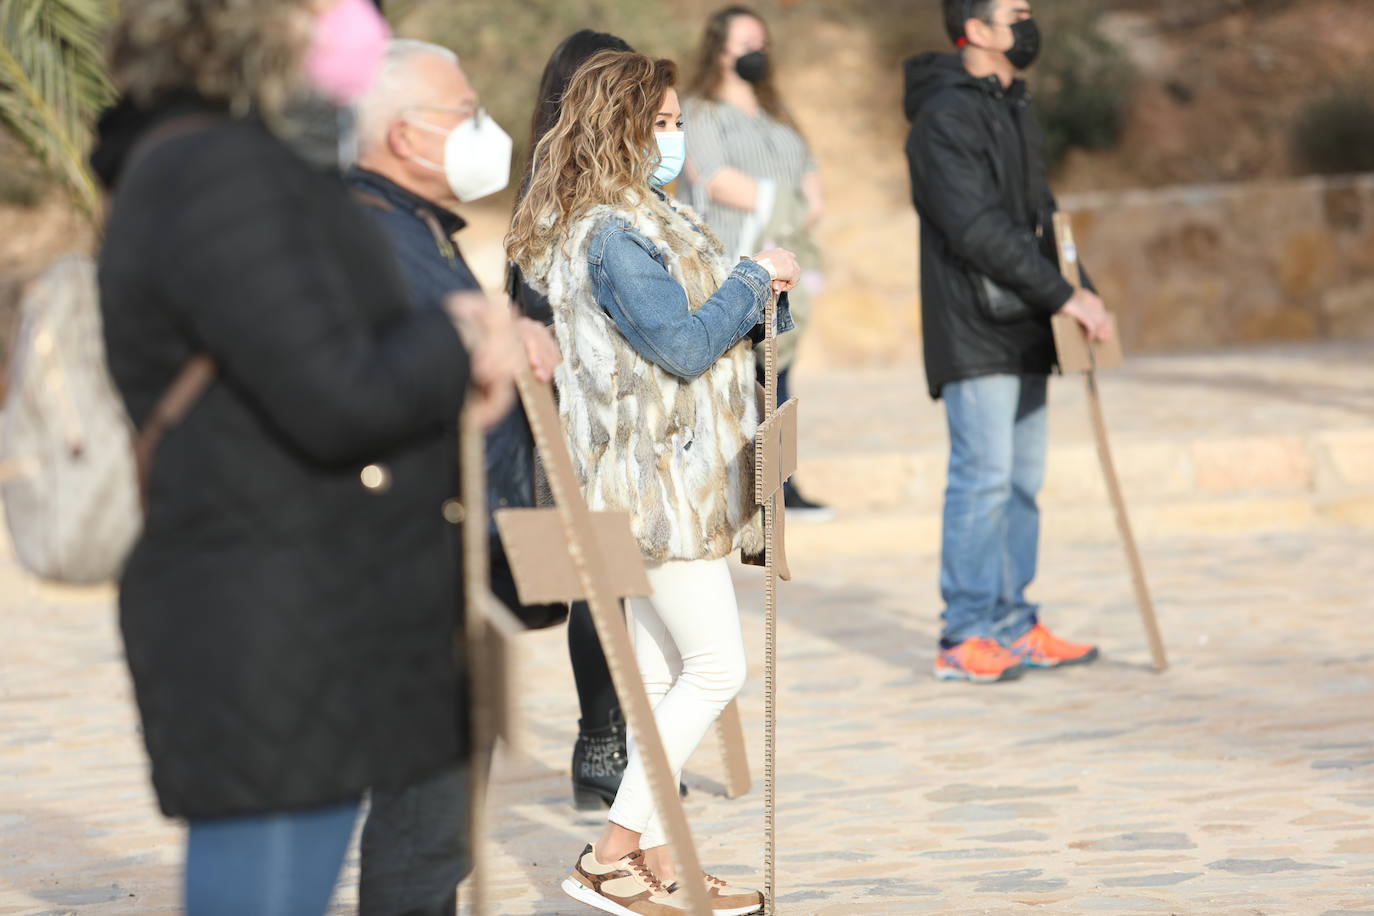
(1217, 265)
(1185, 268)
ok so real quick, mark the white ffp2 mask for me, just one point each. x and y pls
(477, 156)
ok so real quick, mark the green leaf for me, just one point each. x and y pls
(53, 83)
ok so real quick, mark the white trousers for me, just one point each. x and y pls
(691, 656)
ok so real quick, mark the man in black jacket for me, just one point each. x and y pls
(989, 284)
(411, 171)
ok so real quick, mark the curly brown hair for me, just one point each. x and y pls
(600, 151)
(706, 73)
(245, 54)
(571, 53)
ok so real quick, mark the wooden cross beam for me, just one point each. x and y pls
(541, 557)
(1077, 354)
(490, 632)
(775, 460)
(538, 550)
(605, 566)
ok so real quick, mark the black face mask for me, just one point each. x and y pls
(1025, 46)
(752, 67)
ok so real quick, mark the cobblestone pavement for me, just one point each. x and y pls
(1240, 781)
(1291, 389)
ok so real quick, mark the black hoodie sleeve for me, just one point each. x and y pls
(953, 186)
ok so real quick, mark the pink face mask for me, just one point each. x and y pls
(346, 49)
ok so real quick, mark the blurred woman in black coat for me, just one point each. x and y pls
(289, 613)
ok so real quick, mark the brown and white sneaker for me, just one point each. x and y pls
(626, 887)
(732, 901)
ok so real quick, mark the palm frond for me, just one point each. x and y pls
(53, 82)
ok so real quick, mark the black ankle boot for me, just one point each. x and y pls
(598, 762)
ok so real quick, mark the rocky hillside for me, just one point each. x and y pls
(1221, 86)
(1217, 87)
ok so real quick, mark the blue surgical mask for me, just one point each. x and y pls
(672, 153)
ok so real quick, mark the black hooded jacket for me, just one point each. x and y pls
(978, 182)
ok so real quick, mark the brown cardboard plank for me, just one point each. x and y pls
(1075, 353)
(730, 733)
(501, 644)
(780, 567)
(485, 710)
(775, 451)
(1071, 344)
(1076, 356)
(539, 558)
(1123, 526)
(595, 572)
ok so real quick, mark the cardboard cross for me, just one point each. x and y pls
(775, 460)
(490, 633)
(569, 553)
(541, 551)
(1076, 354)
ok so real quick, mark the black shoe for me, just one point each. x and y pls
(598, 763)
(803, 509)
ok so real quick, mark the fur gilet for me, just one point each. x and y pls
(677, 455)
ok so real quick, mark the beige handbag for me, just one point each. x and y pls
(73, 473)
(71, 466)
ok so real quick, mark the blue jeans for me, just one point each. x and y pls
(991, 534)
(282, 864)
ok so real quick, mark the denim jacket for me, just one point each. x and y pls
(632, 284)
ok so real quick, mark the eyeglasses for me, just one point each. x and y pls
(479, 115)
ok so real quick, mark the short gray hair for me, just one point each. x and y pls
(394, 89)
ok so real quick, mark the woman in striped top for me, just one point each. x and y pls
(749, 172)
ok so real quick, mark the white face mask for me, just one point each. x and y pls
(477, 155)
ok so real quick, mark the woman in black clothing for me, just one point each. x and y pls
(289, 612)
(570, 54)
(599, 756)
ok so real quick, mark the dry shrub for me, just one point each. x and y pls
(1334, 133)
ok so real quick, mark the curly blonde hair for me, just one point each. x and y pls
(600, 151)
(245, 54)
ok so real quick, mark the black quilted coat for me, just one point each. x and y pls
(289, 629)
(978, 181)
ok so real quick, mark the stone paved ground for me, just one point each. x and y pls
(1240, 781)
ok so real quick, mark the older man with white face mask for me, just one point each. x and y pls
(424, 146)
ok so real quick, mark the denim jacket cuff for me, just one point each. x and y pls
(785, 322)
(756, 277)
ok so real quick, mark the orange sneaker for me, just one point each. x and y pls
(981, 660)
(1042, 649)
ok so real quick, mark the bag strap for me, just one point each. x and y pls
(173, 127)
(176, 402)
(200, 370)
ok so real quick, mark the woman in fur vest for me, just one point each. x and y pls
(656, 397)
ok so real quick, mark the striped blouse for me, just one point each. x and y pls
(720, 135)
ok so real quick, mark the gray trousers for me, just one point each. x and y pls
(415, 847)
